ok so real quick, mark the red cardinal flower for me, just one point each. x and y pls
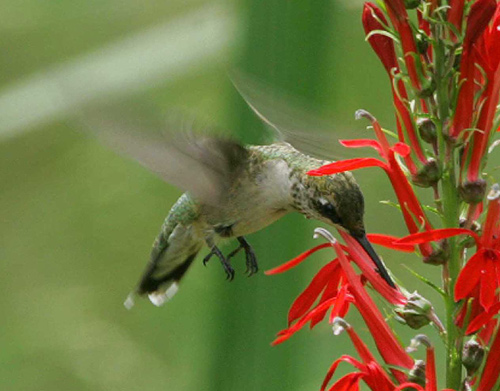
(399, 18)
(328, 285)
(487, 52)
(370, 371)
(480, 14)
(387, 344)
(456, 14)
(374, 21)
(483, 268)
(445, 120)
(330, 290)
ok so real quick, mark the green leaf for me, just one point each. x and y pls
(426, 281)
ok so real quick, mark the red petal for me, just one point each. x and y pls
(408, 386)
(349, 382)
(455, 13)
(491, 369)
(436, 234)
(377, 379)
(294, 262)
(347, 165)
(341, 305)
(390, 242)
(361, 348)
(283, 335)
(331, 291)
(401, 149)
(307, 298)
(469, 276)
(488, 285)
(387, 344)
(399, 18)
(480, 14)
(373, 19)
(491, 224)
(411, 207)
(483, 318)
(365, 263)
(362, 143)
(351, 360)
(430, 371)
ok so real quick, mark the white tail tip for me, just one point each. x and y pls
(129, 302)
(160, 298)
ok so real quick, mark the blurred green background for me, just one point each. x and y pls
(77, 220)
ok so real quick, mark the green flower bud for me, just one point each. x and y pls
(440, 255)
(427, 130)
(473, 192)
(417, 373)
(472, 356)
(422, 43)
(428, 175)
(417, 311)
(469, 241)
(411, 4)
(427, 89)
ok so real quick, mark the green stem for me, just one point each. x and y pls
(454, 343)
(450, 205)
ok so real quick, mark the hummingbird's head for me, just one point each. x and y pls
(338, 200)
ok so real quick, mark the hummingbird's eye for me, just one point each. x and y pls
(329, 211)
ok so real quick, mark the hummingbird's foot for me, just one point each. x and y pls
(252, 266)
(225, 262)
(251, 259)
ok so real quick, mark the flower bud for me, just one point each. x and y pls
(473, 192)
(472, 356)
(427, 89)
(475, 227)
(428, 175)
(417, 373)
(417, 311)
(411, 4)
(440, 255)
(427, 130)
(422, 43)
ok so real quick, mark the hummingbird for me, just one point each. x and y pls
(233, 190)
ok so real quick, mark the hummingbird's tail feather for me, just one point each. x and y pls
(160, 288)
(174, 250)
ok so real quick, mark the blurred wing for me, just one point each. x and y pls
(201, 164)
(289, 119)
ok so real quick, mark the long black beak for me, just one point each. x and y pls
(363, 241)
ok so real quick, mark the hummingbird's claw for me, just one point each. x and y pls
(207, 258)
(251, 259)
(226, 265)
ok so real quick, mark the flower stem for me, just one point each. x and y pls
(450, 207)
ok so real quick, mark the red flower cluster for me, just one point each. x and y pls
(444, 70)
(336, 286)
